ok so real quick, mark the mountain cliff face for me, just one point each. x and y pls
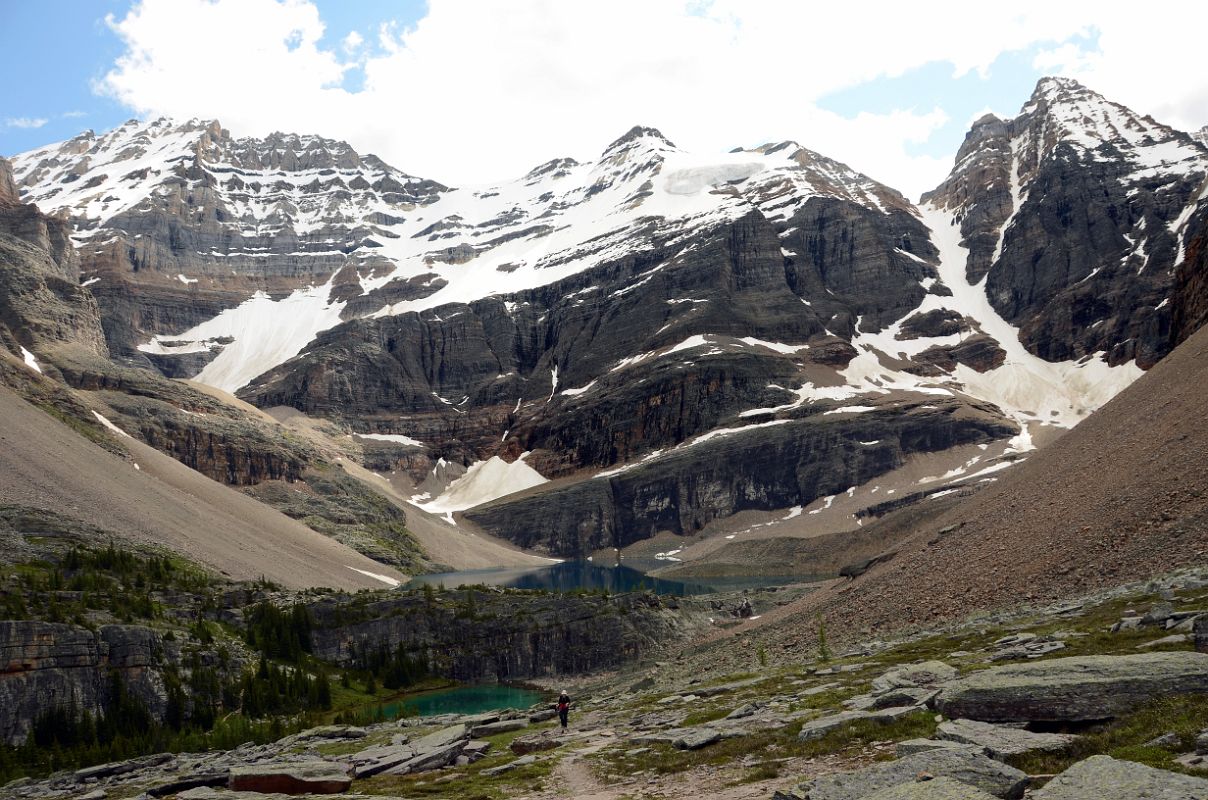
(1075, 213)
(176, 223)
(671, 339)
(42, 305)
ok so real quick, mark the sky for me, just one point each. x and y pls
(472, 91)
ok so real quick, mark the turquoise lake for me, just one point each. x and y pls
(465, 700)
(564, 577)
(569, 576)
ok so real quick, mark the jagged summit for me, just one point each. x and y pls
(1050, 85)
(1078, 206)
(638, 133)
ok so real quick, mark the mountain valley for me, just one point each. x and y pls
(250, 387)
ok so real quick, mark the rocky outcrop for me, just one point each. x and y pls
(775, 465)
(8, 186)
(236, 452)
(482, 635)
(456, 373)
(1102, 776)
(293, 777)
(1002, 742)
(207, 220)
(1078, 689)
(1067, 211)
(47, 666)
(967, 766)
(929, 788)
(42, 305)
(1189, 297)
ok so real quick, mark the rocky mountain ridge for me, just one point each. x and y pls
(614, 325)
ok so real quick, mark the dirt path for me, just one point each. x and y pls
(575, 779)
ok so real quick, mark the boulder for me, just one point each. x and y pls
(964, 764)
(931, 789)
(473, 720)
(1200, 632)
(817, 728)
(334, 732)
(912, 746)
(695, 738)
(476, 749)
(193, 781)
(1101, 777)
(1082, 688)
(374, 760)
(1001, 742)
(722, 688)
(905, 696)
(744, 711)
(523, 761)
(440, 738)
(928, 673)
(1174, 638)
(533, 743)
(301, 777)
(436, 758)
(494, 728)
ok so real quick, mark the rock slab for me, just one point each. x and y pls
(966, 765)
(302, 777)
(1101, 777)
(933, 789)
(1078, 689)
(1001, 742)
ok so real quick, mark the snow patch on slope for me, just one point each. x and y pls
(265, 332)
(483, 482)
(1026, 387)
(31, 361)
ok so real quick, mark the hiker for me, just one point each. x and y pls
(563, 708)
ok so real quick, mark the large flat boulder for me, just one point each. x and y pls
(1102, 777)
(933, 789)
(1081, 688)
(434, 758)
(967, 765)
(495, 728)
(440, 738)
(1000, 741)
(695, 738)
(817, 728)
(300, 777)
(374, 760)
(928, 673)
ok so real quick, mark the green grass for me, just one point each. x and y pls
(761, 772)
(1125, 737)
(705, 715)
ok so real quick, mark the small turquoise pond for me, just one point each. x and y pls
(465, 700)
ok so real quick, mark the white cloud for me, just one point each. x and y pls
(73, 114)
(479, 90)
(352, 42)
(25, 122)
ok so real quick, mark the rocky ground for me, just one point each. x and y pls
(1107, 696)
